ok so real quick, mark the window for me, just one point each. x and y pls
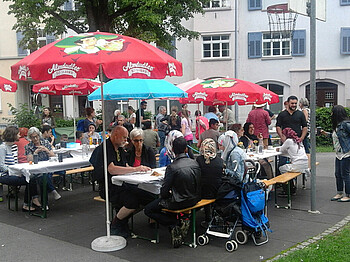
(20, 50)
(254, 5)
(276, 44)
(345, 41)
(171, 52)
(216, 46)
(277, 89)
(344, 2)
(217, 4)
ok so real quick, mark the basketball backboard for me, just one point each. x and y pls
(299, 7)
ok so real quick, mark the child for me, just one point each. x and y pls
(79, 136)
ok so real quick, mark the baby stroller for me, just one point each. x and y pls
(227, 212)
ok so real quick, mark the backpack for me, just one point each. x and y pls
(80, 125)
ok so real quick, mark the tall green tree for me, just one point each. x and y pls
(150, 20)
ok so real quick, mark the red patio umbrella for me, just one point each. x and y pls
(81, 56)
(91, 54)
(228, 91)
(77, 86)
(70, 86)
(7, 85)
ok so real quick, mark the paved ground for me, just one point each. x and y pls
(76, 220)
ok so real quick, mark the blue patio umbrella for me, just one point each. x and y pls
(135, 88)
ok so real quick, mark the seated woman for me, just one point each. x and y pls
(139, 154)
(91, 133)
(9, 156)
(212, 170)
(294, 149)
(43, 149)
(248, 140)
(232, 155)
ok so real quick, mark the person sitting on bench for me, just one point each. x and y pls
(294, 149)
(181, 189)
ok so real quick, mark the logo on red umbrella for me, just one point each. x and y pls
(58, 70)
(238, 96)
(267, 97)
(200, 95)
(22, 72)
(138, 68)
(7, 87)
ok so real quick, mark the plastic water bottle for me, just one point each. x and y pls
(85, 150)
(260, 147)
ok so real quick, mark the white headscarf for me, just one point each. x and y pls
(229, 140)
(169, 139)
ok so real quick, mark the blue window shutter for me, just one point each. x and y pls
(50, 39)
(299, 43)
(345, 41)
(254, 5)
(68, 5)
(20, 50)
(344, 2)
(254, 45)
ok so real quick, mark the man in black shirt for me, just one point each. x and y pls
(127, 197)
(143, 106)
(295, 119)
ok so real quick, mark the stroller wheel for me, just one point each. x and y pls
(231, 245)
(241, 237)
(202, 240)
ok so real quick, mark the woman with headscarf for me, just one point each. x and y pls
(232, 155)
(212, 170)
(294, 149)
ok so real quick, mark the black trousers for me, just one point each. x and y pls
(154, 210)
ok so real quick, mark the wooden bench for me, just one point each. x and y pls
(71, 172)
(192, 210)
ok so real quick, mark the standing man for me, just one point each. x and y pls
(181, 189)
(142, 108)
(212, 133)
(211, 113)
(127, 197)
(161, 126)
(227, 115)
(294, 119)
(261, 121)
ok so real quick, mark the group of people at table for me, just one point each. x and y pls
(187, 180)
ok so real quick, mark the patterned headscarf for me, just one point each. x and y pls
(169, 139)
(208, 150)
(290, 133)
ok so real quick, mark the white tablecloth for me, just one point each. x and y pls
(27, 169)
(75, 151)
(144, 180)
(266, 154)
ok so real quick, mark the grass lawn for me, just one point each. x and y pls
(324, 149)
(334, 247)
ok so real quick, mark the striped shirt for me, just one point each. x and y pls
(8, 156)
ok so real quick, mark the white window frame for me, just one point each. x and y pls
(279, 46)
(215, 4)
(214, 43)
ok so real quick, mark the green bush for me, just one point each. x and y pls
(65, 122)
(23, 116)
(323, 120)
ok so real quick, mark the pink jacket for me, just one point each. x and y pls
(261, 121)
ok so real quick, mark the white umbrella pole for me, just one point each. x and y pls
(106, 243)
(74, 126)
(226, 115)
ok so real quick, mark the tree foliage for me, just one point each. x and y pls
(23, 116)
(149, 20)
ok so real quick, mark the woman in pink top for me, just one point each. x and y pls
(202, 123)
(261, 121)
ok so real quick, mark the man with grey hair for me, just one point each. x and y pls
(227, 115)
(162, 126)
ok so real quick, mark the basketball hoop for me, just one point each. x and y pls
(281, 20)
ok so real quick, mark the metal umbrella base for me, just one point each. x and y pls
(108, 243)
